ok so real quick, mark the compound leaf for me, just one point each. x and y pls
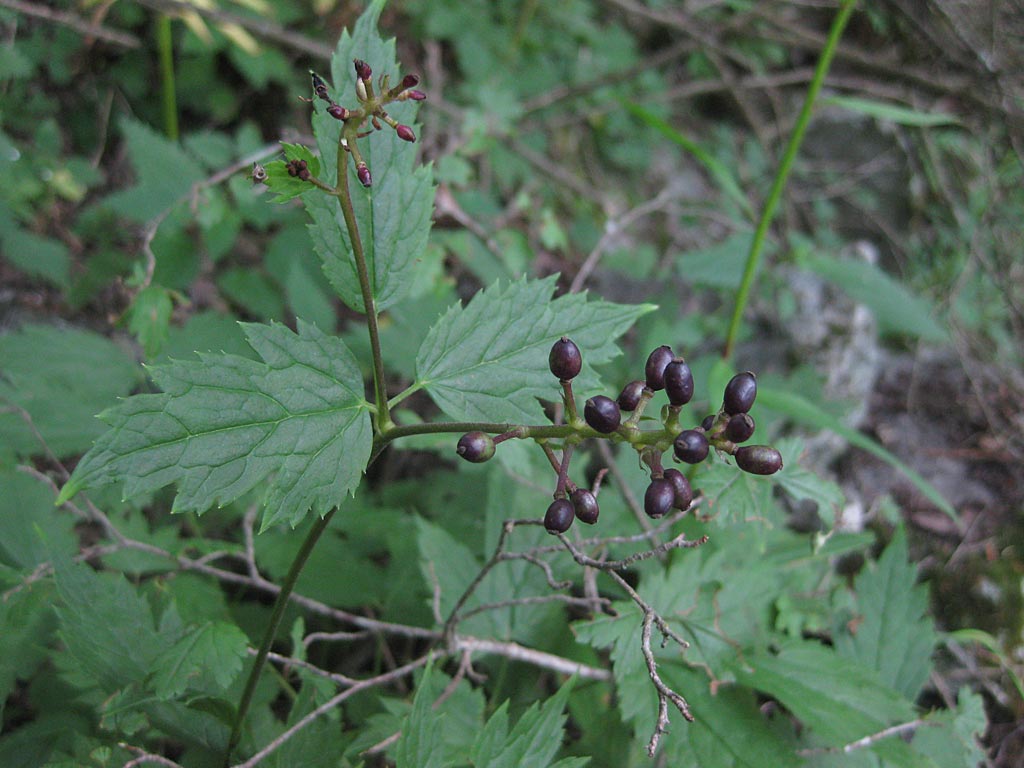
(226, 423)
(488, 361)
(394, 214)
(894, 635)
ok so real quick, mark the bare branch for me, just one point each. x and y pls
(146, 757)
(67, 19)
(665, 694)
(541, 659)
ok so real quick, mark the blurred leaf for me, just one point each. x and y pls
(953, 740)
(62, 377)
(893, 633)
(803, 411)
(165, 174)
(892, 113)
(839, 700)
(35, 255)
(717, 266)
(24, 546)
(226, 423)
(419, 744)
(488, 361)
(253, 291)
(149, 318)
(718, 170)
(895, 308)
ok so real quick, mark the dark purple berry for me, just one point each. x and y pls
(691, 446)
(363, 173)
(410, 81)
(476, 447)
(602, 413)
(758, 459)
(363, 71)
(585, 505)
(740, 393)
(657, 361)
(708, 423)
(629, 397)
(659, 498)
(739, 428)
(559, 516)
(565, 360)
(405, 133)
(684, 493)
(678, 382)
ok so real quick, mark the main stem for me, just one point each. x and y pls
(782, 175)
(271, 631)
(369, 303)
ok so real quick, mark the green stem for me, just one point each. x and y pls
(782, 175)
(271, 631)
(165, 47)
(369, 303)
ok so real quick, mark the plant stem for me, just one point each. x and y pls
(383, 419)
(280, 603)
(782, 174)
(165, 46)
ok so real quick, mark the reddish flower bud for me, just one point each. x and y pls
(319, 86)
(405, 133)
(304, 174)
(417, 95)
(410, 81)
(364, 175)
(363, 71)
(338, 112)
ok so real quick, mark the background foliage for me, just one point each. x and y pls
(617, 146)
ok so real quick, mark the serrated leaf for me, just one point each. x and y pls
(534, 740)
(214, 650)
(393, 215)
(226, 423)
(838, 699)
(488, 361)
(893, 113)
(164, 171)
(800, 483)
(62, 377)
(894, 634)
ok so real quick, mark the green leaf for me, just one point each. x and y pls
(106, 626)
(838, 699)
(31, 528)
(419, 745)
(892, 113)
(62, 377)
(393, 215)
(894, 635)
(534, 740)
(214, 650)
(488, 361)
(803, 411)
(952, 741)
(719, 265)
(281, 182)
(226, 423)
(895, 308)
(36, 255)
(150, 317)
(165, 174)
(800, 483)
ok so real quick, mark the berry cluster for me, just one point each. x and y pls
(669, 488)
(371, 107)
(298, 168)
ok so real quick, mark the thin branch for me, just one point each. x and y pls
(540, 659)
(146, 757)
(68, 19)
(867, 741)
(665, 694)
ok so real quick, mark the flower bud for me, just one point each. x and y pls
(338, 112)
(363, 173)
(319, 86)
(416, 95)
(410, 81)
(405, 133)
(363, 71)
